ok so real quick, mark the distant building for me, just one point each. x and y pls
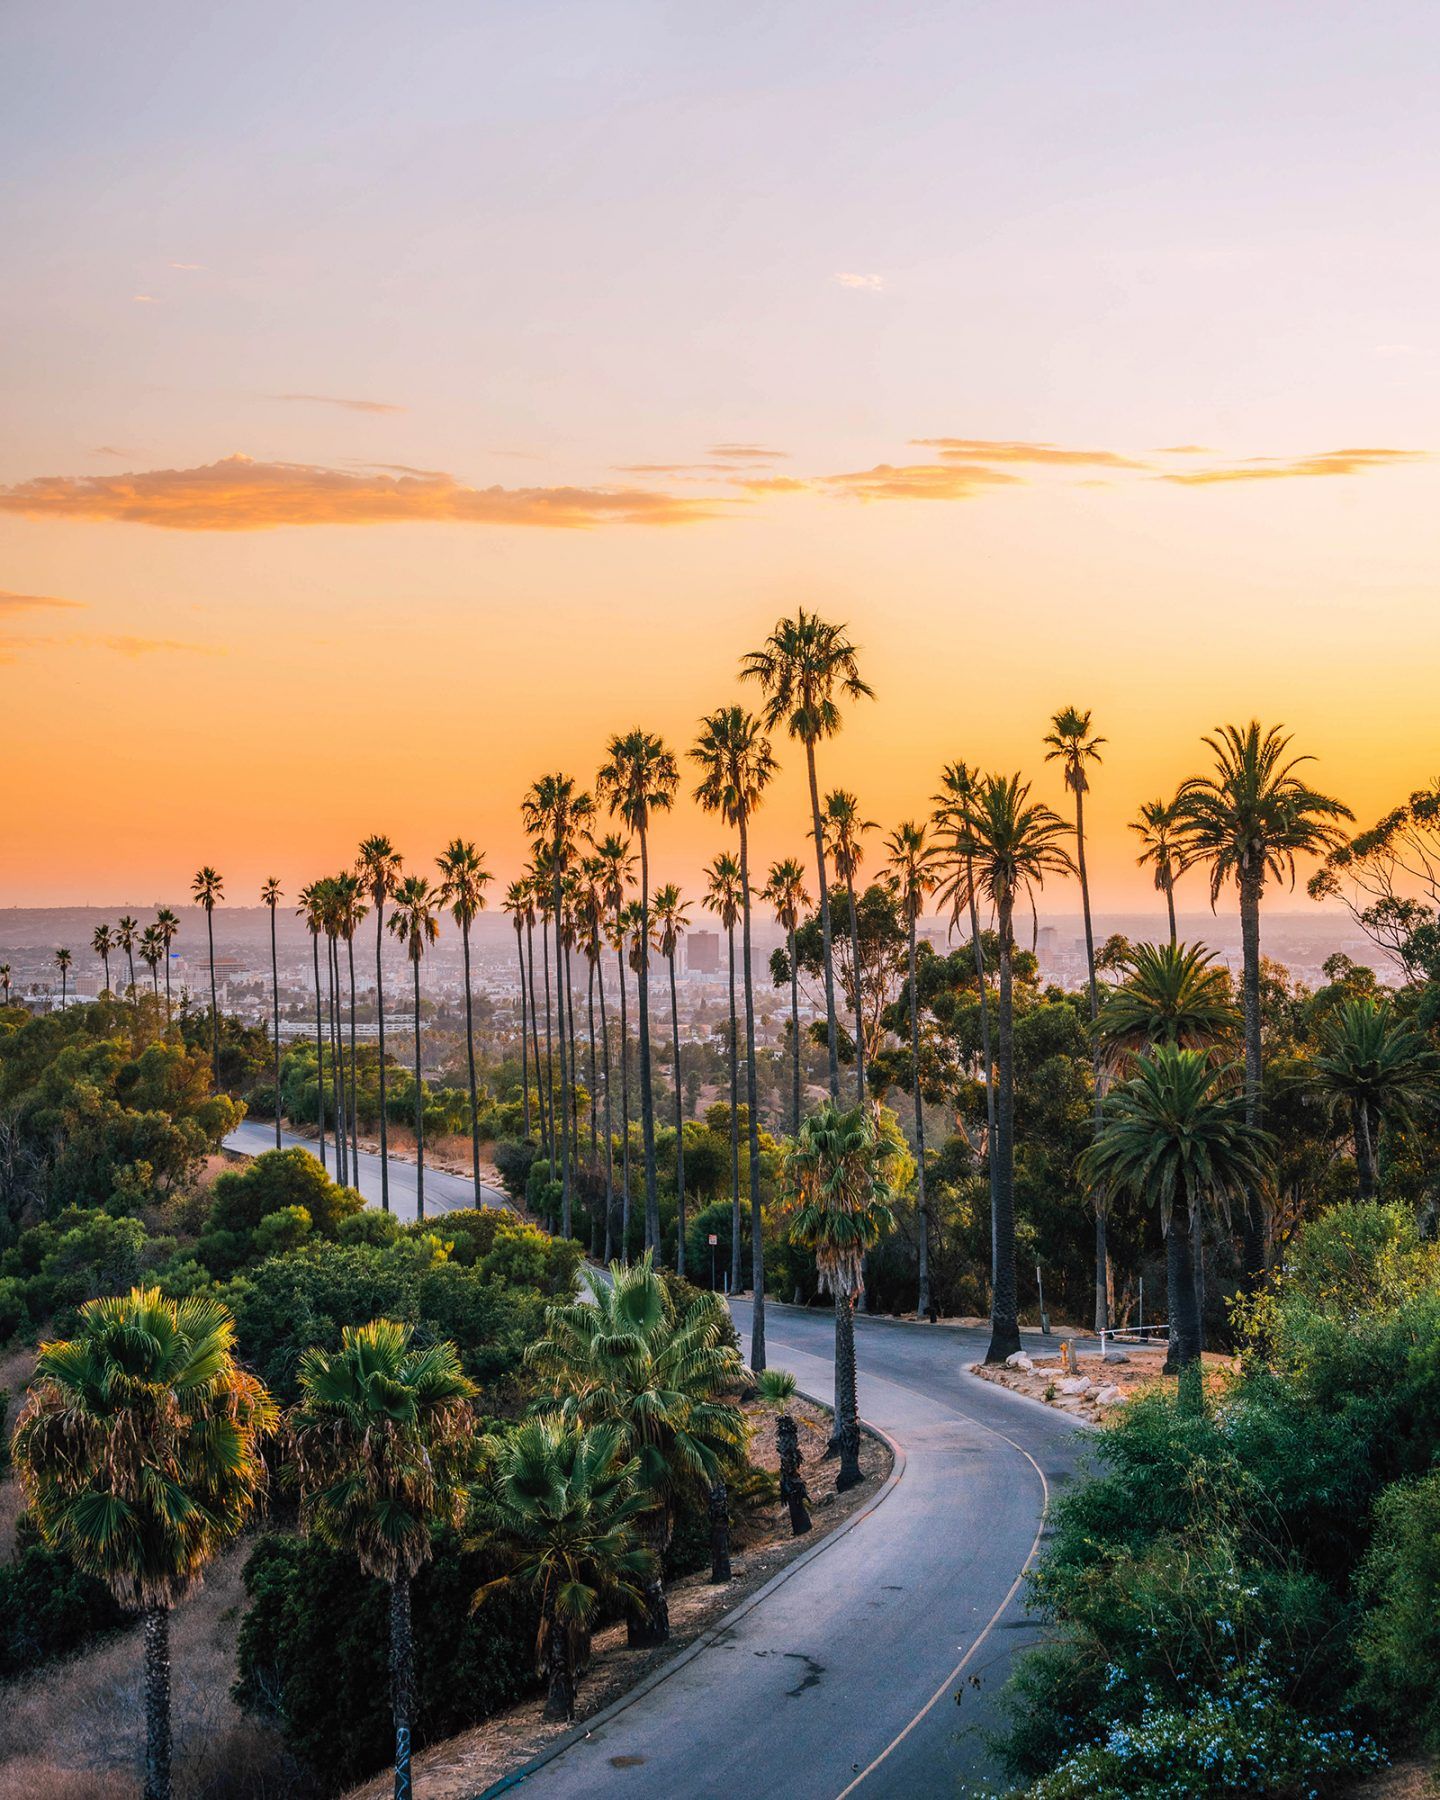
(702, 952)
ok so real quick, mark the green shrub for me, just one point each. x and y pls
(274, 1181)
(48, 1609)
(1399, 1643)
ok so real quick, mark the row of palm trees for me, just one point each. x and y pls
(151, 943)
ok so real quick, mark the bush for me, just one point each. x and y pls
(1399, 1643)
(513, 1158)
(48, 1609)
(275, 1181)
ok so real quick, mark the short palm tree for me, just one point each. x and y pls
(139, 1456)
(270, 896)
(1171, 994)
(835, 1190)
(1156, 827)
(413, 921)
(911, 866)
(785, 891)
(102, 943)
(127, 933)
(208, 888)
(845, 830)
(665, 1380)
(169, 924)
(378, 865)
(152, 950)
(722, 897)
(559, 1508)
(1249, 819)
(1376, 1070)
(382, 1439)
(63, 960)
(806, 667)
(671, 919)
(736, 766)
(463, 879)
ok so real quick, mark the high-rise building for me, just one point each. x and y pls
(702, 952)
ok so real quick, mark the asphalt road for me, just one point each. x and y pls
(443, 1192)
(844, 1680)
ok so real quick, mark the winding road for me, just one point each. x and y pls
(443, 1192)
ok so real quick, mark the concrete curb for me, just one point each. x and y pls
(713, 1632)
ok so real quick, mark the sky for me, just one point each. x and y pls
(398, 401)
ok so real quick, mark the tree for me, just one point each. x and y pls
(594, 873)
(785, 891)
(382, 1437)
(1373, 1069)
(1389, 879)
(638, 780)
(806, 667)
(672, 920)
(102, 943)
(1174, 994)
(844, 834)
(126, 933)
(911, 860)
(413, 921)
(208, 888)
(139, 1455)
(559, 1506)
(1156, 829)
(152, 949)
(331, 921)
(663, 1379)
(518, 904)
(616, 875)
(62, 963)
(312, 910)
(350, 910)
(462, 888)
(722, 897)
(834, 1188)
(379, 865)
(5, 982)
(169, 925)
(1249, 819)
(736, 766)
(270, 896)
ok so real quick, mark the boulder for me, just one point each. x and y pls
(1110, 1395)
(1116, 1356)
(1019, 1361)
(1077, 1384)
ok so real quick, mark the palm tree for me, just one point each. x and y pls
(638, 780)
(722, 897)
(560, 1508)
(378, 866)
(1176, 1132)
(617, 873)
(169, 930)
(663, 1379)
(517, 904)
(152, 948)
(102, 943)
(1012, 844)
(1249, 820)
(382, 1437)
(785, 891)
(126, 933)
(544, 907)
(911, 860)
(806, 667)
(1377, 1069)
(672, 920)
(139, 1456)
(270, 896)
(5, 982)
(844, 830)
(413, 921)
(62, 963)
(332, 918)
(736, 767)
(312, 910)
(208, 887)
(1155, 827)
(1176, 994)
(592, 901)
(462, 888)
(838, 1199)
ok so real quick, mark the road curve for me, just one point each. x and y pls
(443, 1192)
(843, 1681)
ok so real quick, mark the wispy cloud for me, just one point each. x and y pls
(132, 648)
(360, 406)
(747, 453)
(870, 284)
(11, 602)
(175, 265)
(1272, 468)
(1014, 450)
(237, 494)
(1184, 450)
(919, 481)
(145, 299)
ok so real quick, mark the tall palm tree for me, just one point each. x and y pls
(639, 779)
(332, 916)
(664, 1379)
(785, 892)
(152, 948)
(169, 925)
(350, 911)
(590, 906)
(1176, 1133)
(1249, 819)
(126, 934)
(534, 888)
(634, 950)
(806, 667)
(312, 910)
(382, 1436)
(139, 1457)
(835, 1190)
(1171, 994)
(5, 983)
(617, 874)
(736, 766)
(722, 897)
(63, 960)
(911, 865)
(463, 878)
(517, 903)
(545, 908)
(671, 921)
(102, 943)
(270, 896)
(413, 921)
(1013, 842)
(1155, 826)
(378, 866)
(208, 888)
(1375, 1069)
(844, 834)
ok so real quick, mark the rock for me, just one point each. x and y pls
(1110, 1395)
(1116, 1356)
(1077, 1384)
(1019, 1361)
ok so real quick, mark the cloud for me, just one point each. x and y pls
(11, 602)
(145, 299)
(1184, 450)
(1274, 468)
(774, 484)
(116, 643)
(918, 481)
(111, 450)
(1004, 450)
(747, 453)
(361, 406)
(175, 265)
(871, 284)
(236, 494)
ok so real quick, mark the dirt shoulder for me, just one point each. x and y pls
(1087, 1388)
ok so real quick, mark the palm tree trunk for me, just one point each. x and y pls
(1170, 908)
(1254, 1226)
(922, 1303)
(130, 958)
(337, 1064)
(735, 1267)
(1184, 1314)
(624, 1100)
(419, 1105)
(990, 1146)
(1364, 1151)
(652, 1624)
(831, 1031)
(795, 1031)
(574, 1087)
(319, 1049)
(106, 960)
(214, 1004)
(402, 1679)
(593, 1109)
(470, 1059)
(859, 997)
(610, 1220)
(535, 1045)
(157, 1703)
(553, 1150)
(354, 1066)
(1004, 1307)
(560, 1677)
(757, 1237)
(1102, 1253)
(647, 1097)
(275, 996)
(679, 1129)
(380, 1033)
(524, 1040)
(846, 1400)
(169, 1004)
(720, 1570)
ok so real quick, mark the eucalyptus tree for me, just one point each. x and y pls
(844, 833)
(722, 897)
(638, 780)
(1155, 826)
(169, 925)
(671, 920)
(785, 892)
(911, 865)
(270, 896)
(152, 948)
(736, 766)
(378, 865)
(413, 922)
(463, 879)
(312, 910)
(1249, 819)
(1373, 1068)
(806, 667)
(209, 888)
(517, 903)
(127, 933)
(616, 874)
(63, 959)
(102, 943)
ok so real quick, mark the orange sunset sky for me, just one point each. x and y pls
(399, 400)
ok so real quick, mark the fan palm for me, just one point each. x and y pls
(383, 1440)
(102, 943)
(844, 834)
(169, 925)
(312, 910)
(63, 960)
(208, 888)
(126, 934)
(806, 667)
(378, 866)
(139, 1455)
(517, 903)
(722, 897)
(1378, 1069)
(413, 921)
(671, 921)
(911, 864)
(463, 878)
(1249, 819)
(616, 875)
(785, 891)
(152, 948)
(270, 896)
(1156, 827)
